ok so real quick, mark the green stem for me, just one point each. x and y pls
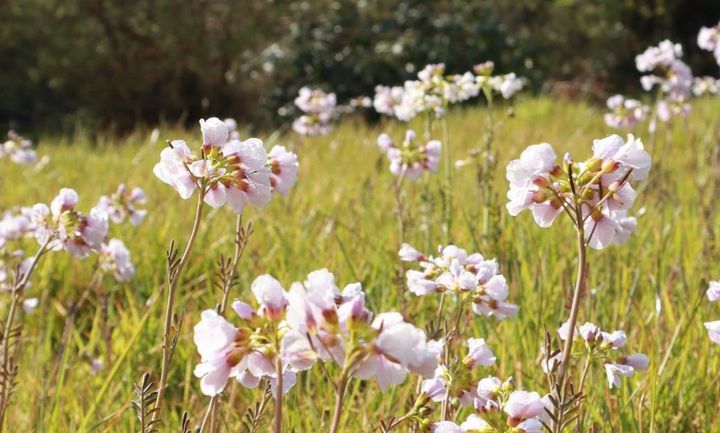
(173, 280)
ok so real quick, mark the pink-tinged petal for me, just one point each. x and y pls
(545, 214)
(446, 427)
(713, 292)
(243, 310)
(214, 131)
(247, 380)
(215, 196)
(236, 198)
(713, 331)
(638, 361)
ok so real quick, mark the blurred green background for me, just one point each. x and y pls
(116, 64)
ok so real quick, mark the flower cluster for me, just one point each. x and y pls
(283, 166)
(454, 379)
(506, 85)
(318, 108)
(18, 149)
(115, 257)
(601, 345)
(596, 194)
(433, 91)
(520, 411)
(313, 321)
(670, 74)
(471, 277)
(410, 159)
(123, 204)
(62, 226)
(625, 112)
(705, 86)
(713, 328)
(227, 170)
(709, 39)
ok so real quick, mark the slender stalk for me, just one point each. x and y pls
(277, 427)
(210, 408)
(575, 307)
(6, 359)
(173, 279)
(240, 244)
(583, 378)
(339, 400)
(447, 223)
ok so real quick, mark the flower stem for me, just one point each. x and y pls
(173, 279)
(339, 400)
(575, 307)
(5, 345)
(583, 378)
(277, 428)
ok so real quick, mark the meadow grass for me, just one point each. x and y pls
(340, 216)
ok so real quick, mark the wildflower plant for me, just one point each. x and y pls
(226, 170)
(595, 195)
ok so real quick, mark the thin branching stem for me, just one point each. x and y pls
(6, 346)
(277, 425)
(173, 279)
(574, 308)
(341, 386)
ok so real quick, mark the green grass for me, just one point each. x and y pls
(340, 216)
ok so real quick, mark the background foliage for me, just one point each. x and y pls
(116, 63)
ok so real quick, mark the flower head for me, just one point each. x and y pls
(231, 172)
(410, 159)
(115, 258)
(123, 204)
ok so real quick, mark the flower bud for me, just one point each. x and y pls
(610, 166)
(593, 164)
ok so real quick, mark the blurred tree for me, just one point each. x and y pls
(115, 64)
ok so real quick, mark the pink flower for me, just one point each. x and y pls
(397, 348)
(19, 149)
(713, 331)
(487, 393)
(387, 99)
(479, 353)
(523, 405)
(271, 296)
(283, 167)
(620, 157)
(531, 186)
(625, 113)
(446, 427)
(713, 292)
(411, 159)
(709, 39)
(122, 204)
(215, 132)
(67, 228)
(214, 337)
(319, 108)
(232, 172)
(626, 367)
(607, 227)
(173, 168)
(455, 271)
(115, 257)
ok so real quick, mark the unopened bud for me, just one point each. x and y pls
(593, 164)
(541, 181)
(556, 171)
(609, 166)
(540, 196)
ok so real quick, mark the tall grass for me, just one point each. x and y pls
(340, 216)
